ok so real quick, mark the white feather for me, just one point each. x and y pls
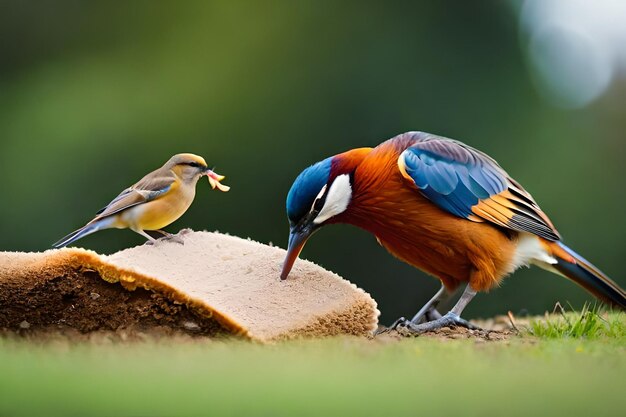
(337, 200)
(530, 251)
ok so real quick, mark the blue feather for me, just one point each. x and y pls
(464, 199)
(451, 176)
(442, 178)
(305, 188)
(477, 189)
(412, 163)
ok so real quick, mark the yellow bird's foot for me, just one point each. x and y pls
(150, 240)
(175, 239)
(170, 237)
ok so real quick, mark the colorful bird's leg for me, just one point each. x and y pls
(452, 318)
(430, 308)
(428, 311)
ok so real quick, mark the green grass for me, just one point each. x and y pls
(340, 376)
(590, 323)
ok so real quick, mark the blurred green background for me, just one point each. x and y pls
(93, 95)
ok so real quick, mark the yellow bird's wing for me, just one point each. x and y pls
(147, 189)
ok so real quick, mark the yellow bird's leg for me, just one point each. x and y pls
(164, 233)
(151, 240)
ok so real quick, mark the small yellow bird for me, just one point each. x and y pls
(157, 200)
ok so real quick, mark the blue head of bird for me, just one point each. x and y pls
(317, 197)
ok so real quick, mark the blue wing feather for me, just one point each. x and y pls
(456, 185)
(457, 178)
(442, 177)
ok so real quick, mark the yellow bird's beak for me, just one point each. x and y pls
(215, 180)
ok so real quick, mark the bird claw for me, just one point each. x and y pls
(393, 326)
(400, 322)
(175, 239)
(450, 319)
(168, 237)
(429, 315)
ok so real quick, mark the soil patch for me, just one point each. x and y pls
(81, 306)
(496, 329)
(453, 333)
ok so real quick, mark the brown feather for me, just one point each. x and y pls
(148, 188)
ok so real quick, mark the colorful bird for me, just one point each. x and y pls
(443, 207)
(157, 200)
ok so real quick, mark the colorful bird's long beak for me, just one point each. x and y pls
(297, 240)
(214, 180)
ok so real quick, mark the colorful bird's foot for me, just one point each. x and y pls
(400, 321)
(450, 319)
(393, 326)
(432, 315)
(428, 316)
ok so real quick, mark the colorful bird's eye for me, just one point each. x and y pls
(319, 204)
(321, 193)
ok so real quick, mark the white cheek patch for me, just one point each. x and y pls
(337, 200)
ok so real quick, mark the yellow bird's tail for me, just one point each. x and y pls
(87, 229)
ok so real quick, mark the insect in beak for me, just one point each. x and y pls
(215, 180)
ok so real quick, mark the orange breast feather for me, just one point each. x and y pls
(415, 230)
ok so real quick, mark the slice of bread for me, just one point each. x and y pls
(220, 278)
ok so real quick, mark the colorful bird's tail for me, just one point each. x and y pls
(87, 229)
(584, 273)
